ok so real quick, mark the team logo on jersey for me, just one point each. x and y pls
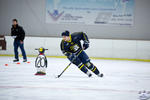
(74, 47)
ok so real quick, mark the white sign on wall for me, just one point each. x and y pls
(90, 12)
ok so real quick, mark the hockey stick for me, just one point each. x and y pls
(66, 68)
(63, 71)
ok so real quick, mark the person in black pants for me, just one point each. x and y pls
(72, 48)
(18, 34)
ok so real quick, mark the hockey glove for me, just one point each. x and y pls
(72, 57)
(85, 45)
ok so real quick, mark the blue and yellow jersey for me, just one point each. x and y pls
(74, 45)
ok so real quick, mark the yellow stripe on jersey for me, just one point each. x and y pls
(84, 36)
(63, 45)
(79, 52)
(70, 39)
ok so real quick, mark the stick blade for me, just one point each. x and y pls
(57, 76)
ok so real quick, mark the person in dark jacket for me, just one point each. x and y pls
(18, 34)
(72, 48)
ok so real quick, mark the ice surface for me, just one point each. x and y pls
(122, 81)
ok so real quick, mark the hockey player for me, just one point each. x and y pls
(72, 48)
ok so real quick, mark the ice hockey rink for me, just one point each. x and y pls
(122, 80)
(115, 34)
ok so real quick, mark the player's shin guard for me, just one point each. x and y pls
(83, 69)
(92, 68)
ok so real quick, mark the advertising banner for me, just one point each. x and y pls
(90, 12)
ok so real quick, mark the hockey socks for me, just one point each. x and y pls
(93, 69)
(83, 69)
